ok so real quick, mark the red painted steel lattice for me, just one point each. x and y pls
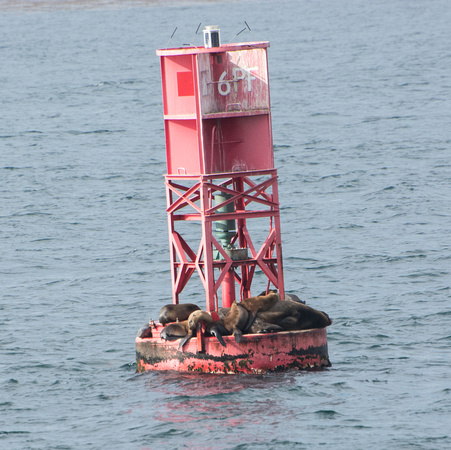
(251, 200)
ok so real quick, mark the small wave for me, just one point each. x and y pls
(426, 274)
(350, 226)
(4, 433)
(101, 131)
(327, 413)
(328, 114)
(6, 404)
(34, 213)
(321, 267)
(373, 119)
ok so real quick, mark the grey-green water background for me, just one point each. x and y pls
(361, 104)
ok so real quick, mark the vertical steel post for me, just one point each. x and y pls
(225, 231)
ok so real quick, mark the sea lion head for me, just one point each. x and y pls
(197, 317)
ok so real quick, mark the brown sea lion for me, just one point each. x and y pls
(196, 317)
(176, 313)
(254, 303)
(289, 315)
(174, 331)
(293, 297)
(222, 312)
(239, 317)
(214, 330)
(261, 326)
(145, 331)
(253, 306)
(187, 329)
(260, 303)
(195, 320)
(235, 322)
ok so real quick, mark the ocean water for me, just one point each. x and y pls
(361, 104)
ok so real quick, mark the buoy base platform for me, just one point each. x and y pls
(255, 354)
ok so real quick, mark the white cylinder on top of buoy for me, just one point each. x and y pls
(211, 36)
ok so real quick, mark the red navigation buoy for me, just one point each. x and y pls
(220, 174)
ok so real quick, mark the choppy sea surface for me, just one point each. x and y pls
(361, 109)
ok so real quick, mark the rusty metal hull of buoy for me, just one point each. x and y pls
(256, 353)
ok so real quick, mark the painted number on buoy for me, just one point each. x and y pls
(238, 74)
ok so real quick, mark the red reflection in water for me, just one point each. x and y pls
(197, 397)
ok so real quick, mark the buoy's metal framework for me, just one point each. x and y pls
(221, 174)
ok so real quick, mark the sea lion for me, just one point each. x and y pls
(293, 297)
(260, 303)
(222, 312)
(289, 315)
(176, 313)
(174, 331)
(253, 306)
(271, 291)
(145, 331)
(196, 317)
(235, 322)
(214, 330)
(187, 329)
(195, 320)
(239, 317)
(261, 326)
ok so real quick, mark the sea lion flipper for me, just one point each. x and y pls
(184, 340)
(221, 328)
(220, 339)
(215, 331)
(169, 337)
(238, 335)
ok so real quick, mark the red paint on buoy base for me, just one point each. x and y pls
(256, 353)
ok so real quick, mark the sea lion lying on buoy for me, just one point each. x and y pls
(260, 303)
(293, 297)
(196, 319)
(289, 315)
(235, 322)
(174, 331)
(145, 331)
(176, 313)
(187, 329)
(240, 316)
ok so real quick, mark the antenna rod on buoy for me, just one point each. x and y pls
(172, 35)
(195, 34)
(244, 29)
